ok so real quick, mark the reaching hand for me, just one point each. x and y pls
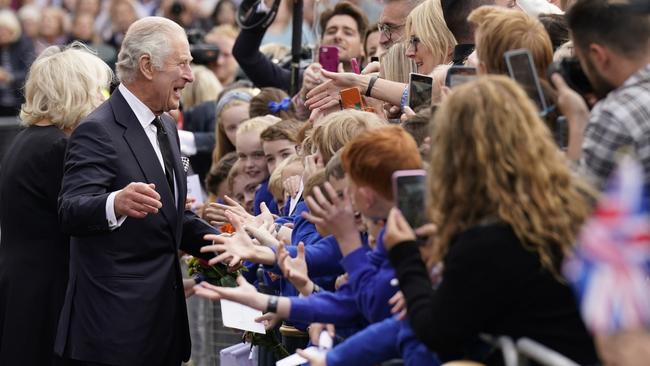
(291, 185)
(399, 305)
(215, 212)
(335, 217)
(314, 359)
(397, 229)
(326, 95)
(295, 269)
(576, 112)
(235, 246)
(270, 320)
(188, 287)
(137, 200)
(315, 330)
(245, 293)
(311, 78)
(262, 235)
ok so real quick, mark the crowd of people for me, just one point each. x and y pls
(122, 100)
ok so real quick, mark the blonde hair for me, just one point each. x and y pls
(63, 87)
(229, 99)
(205, 87)
(255, 125)
(9, 20)
(275, 180)
(428, 24)
(225, 30)
(337, 129)
(494, 159)
(395, 65)
(500, 29)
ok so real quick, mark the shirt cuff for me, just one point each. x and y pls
(113, 222)
(188, 145)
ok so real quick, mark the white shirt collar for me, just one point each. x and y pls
(142, 112)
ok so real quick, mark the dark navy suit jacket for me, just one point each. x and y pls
(124, 303)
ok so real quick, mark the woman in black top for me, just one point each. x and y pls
(62, 88)
(507, 210)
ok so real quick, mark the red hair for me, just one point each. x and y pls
(372, 157)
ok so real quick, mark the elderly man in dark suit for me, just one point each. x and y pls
(122, 200)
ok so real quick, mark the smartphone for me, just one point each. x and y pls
(328, 57)
(521, 68)
(351, 99)
(420, 89)
(457, 75)
(355, 66)
(409, 192)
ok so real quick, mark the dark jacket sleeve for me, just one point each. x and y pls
(90, 168)
(447, 326)
(259, 69)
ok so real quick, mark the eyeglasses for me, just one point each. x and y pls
(388, 29)
(414, 42)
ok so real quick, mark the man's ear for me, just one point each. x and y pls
(146, 66)
(600, 56)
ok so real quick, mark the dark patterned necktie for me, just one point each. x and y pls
(166, 150)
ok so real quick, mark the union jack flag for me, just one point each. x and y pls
(611, 263)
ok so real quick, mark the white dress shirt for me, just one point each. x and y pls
(145, 116)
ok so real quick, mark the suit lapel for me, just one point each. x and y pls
(146, 157)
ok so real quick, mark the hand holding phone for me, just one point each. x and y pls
(521, 68)
(328, 57)
(351, 99)
(420, 90)
(409, 192)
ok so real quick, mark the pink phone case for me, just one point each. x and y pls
(355, 66)
(328, 57)
(405, 173)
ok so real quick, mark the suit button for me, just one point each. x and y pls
(175, 285)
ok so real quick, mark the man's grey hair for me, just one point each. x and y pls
(148, 36)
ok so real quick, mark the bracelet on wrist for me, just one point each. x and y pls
(373, 79)
(272, 305)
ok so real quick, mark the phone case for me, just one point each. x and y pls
(351, 98)
(328, 57)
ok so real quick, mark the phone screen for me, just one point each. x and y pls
(522, 70)
(457, 75)
(328, 57)
(411, 197)
(420, 89)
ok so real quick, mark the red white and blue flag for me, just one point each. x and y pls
(611, 265)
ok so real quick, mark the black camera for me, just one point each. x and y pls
(202, 53)
(571, 71)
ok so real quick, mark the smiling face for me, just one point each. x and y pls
(422, 56)
(277, 151)
(243, 191)
(251, 156)
(342, 31)
(168, 81)
(231, 118)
